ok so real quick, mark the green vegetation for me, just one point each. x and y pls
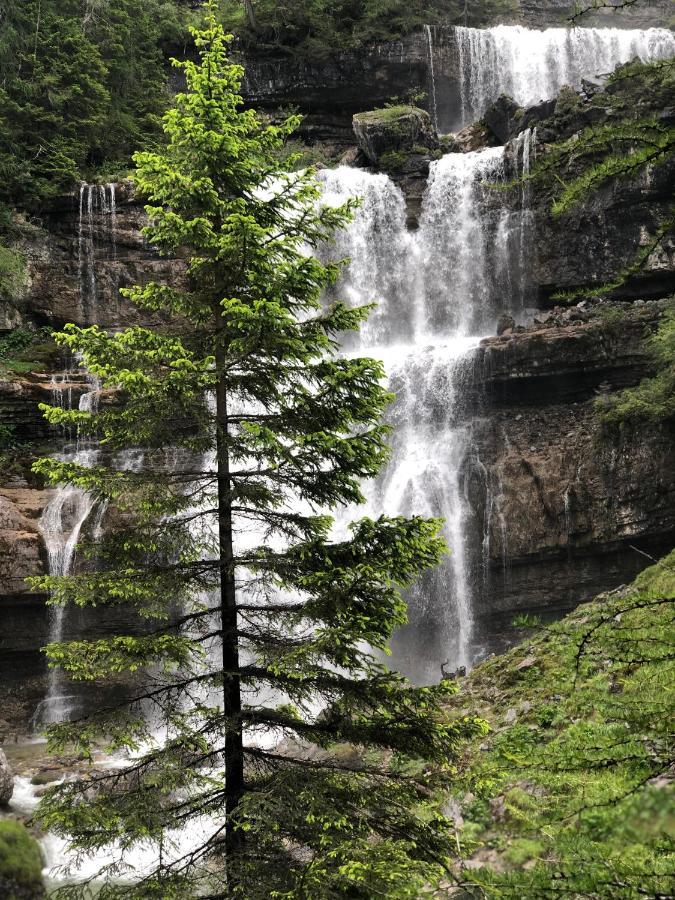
(571, 794)
(20, 863)
(388, 115)
(233, 545)
(317, 28)
(27, 350)
(632, 142)
(81, 86)
(526, 620)
(12, 271)
(653, 400)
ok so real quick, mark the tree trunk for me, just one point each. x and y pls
(250, 15)
(234, 752)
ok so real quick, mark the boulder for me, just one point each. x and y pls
(474, 137)
(20, 863)
(500, 117)
(505, 323)
(394, 130)
(6, 781)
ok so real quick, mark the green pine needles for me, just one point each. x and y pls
(287, 745)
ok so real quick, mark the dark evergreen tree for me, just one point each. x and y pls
(258, 621)
(82, 84)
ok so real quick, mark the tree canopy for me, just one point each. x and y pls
(82, 84)
(318, 28)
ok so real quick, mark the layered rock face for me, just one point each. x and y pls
(457, 71)
(544, 13)
(562, 508)
(89, 247)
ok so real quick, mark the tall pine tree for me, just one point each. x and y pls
(289, 752)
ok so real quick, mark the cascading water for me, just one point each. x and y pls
(531, 65)
(61, 525)
(96, 200)
(440, 288)
(455, 248)
(379, 249)
(432, 76)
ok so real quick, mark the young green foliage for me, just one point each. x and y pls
(254, 620)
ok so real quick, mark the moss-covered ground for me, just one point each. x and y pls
(571, 794)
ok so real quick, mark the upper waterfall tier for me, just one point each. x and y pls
(531, 65)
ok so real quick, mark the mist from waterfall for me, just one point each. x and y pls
(531, 65)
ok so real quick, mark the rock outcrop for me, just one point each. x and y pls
(394, 131)
(6, 781)
(548, 13)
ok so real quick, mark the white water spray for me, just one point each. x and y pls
(531, 65)
(61, 525)
(440, 289)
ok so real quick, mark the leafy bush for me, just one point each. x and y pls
(25, 350)
(6, 436)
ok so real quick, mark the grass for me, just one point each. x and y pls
(24, 350)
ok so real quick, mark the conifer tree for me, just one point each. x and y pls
(289, 752)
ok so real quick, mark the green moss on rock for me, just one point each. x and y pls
(20, 863)
(394, 130)
(571, 792)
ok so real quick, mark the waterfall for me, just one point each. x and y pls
(432, 76)
(379, 247)
(454, 245)
(440, 289)
(531, 65)
(61, 525)
(96, 201)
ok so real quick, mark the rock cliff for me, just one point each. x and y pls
(562, 507)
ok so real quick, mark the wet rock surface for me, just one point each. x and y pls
(88, 247)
